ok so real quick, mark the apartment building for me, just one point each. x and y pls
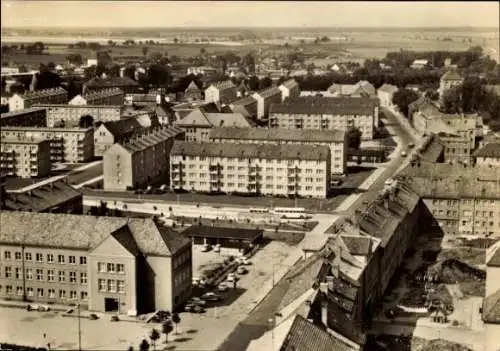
(47, 96)
(462, 200)
(385, 94)
(266, 169)
(107, 264)
(66, 144)
(449, 80)
(71, 115)
(265, 98)
(335, 140)
(140, 160)
(24, 157)
(360, 89)
(192, 92)
(197, 124)
(29, 117)
(488, 155)
(111, 96)
(221, 92)
(289, 89)
(113, 132)
(247, 106)
(326, 113)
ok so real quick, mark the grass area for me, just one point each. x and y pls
(475, 288)
(289, 238)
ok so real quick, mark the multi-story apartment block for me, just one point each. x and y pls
(289, 89)
(47, 96)
(247, 106)
(267, 169)
(222, 92)
(114, 132)
(488, 155)
(107, 264)
(265, 98)
(326, 113)
(30, 117)
(334, 139)
(70, 115)
(457, 149)
(66, 144)
(140, 160)
(25, 157)
(197, 124)
(463, 200)
(385, 94)
(112, 96)
(449, 80)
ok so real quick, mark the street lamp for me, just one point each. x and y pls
(79, 329)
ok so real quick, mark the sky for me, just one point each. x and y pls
(97, 13)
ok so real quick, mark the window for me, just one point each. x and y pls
(29, 274)
(62, 276)
(111, 285)
(19, 291)
(120, 268)
(27, 256)
(102, 284)
(50, 275)
(83, 278)
(72, 294)
(83, 260)
(29, 291)
(39, 257)
(72, 259)
(39, 292)
(52, 293)
(18, 256)
(50, 258)
(101, 266)
(83, 295)
(7, 255)
(39, 274)
(62, 294)
(72, 277)
(121, 286)
(111, 267)
(18, 273)
(8, 272)
(9, 290)
(60, 258)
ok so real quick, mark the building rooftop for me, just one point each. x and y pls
(308, 105)
(222, 232)
(264, 151)
(491, 308)
(45, 92)
(21, 140)
(493, 255)
(451, 75)
(150, 138)
(450, 171)
(489, 150)
(92, 95)
(111, 82)
(223, 85)
(122, 128)
(290, 84)
(245, 101)
(45, 129)
(22, 112)
(277, 134)
(209, 119)
(388, 88)
(192, 87)
(362, 88)
(119, 107)
(84, 232)
(268, 92)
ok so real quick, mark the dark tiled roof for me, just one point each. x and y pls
(309, 105)
(491, 308)
(451, 75)
(192, 87)
(151, 138)
(111, 82)
(222, 232)
(278, 134)
(227, 84)
(265, 151)
(489, 150)
(494, 260)
(291, 83)
(92, 95)
(266, 93)
(357, 245)
(22, 112)
(80, 231)
(123, 127)
(44, 92)
(305, 336)
(245, 101)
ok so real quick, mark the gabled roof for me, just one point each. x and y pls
(357, 245)
(150, 138)
(227, 84)
(123, 127)
(491, 308)
(111, 82)
(388, 88)
(202, 119)
(290, 84)
(266, 93)
(192, 87)
(45, 92)
(310, 105)
(489, 150)
(451, 75)
(493, 255)
(245, 101)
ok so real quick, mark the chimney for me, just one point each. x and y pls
(386, 202)
(324, 313)
(329, 282)
(323, 287)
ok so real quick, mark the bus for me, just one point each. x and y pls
(291, 212)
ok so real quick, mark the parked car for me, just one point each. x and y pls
(197, 309)
(403, 154)
(411, 146)
(211, 296)
(197, 301)
(93, 317)
(222, 287)
(243, 261)
(388, 182)
(336, 182)
(205, 248)
(231, 277)
(162, 189)
(241, 270)
(217, 248)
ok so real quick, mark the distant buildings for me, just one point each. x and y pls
(488, 155)
(335, 140)
(126, 84)
(420, 64)
(192, 92)
(289, 89)
(66, 144)
(265, 98)
(108, 264)
(112, 96)
(449, 80)
(140, 160)
(113, 132)
(385, 94)
(491, 302)
(30, 117)
(267, 169)
(24, 157)
(197, 124)
(247, 106)
(326, 113)
(221, 92)
(48, 96)
(360, 89)
(71, 115)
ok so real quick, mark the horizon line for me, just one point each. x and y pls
(241, 27)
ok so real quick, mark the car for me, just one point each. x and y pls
(403, 154)
(241, 270)
(336, 182)
(222, 287)
(211, 296)
(205, 248)
(388, 182)
(148, 190)
(411, 146)
(196, 301)
(243, 261)
(231, 277)
(197, 309)
(217, 248)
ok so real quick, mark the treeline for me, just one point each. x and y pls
(36, 48)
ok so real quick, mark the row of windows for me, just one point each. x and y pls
(111, 285)
(40, 292)
(40, 257)
(464, 201)
(244, 186)
(241, 160)
(182, 276)
(111, 267)
(40, 275)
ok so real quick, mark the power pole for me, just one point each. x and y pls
(79, 330)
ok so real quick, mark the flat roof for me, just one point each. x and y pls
(205, 231)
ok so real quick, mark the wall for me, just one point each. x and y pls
(163, 294)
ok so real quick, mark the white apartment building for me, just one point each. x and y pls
(71, 114)
(265, 98)
(47, 96)
(25, 157)
(66, 144)
(449, 80)
(385, 94)
(334, 139)
(223, 92)
(326, 113)
(260, 169)
(112, 96)
(289, 89)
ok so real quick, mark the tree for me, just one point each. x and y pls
(265, 82)
(176, 319)
(156, 56)
(472, 94)
(176, 40)
(167, 329)
(203, 51)
(75, 59)
(154, 336)
(353, 136)
(403, 98)
(432, 94)
(144, 345)
(86, 121)
(47, 79)
(145, 50)
(451, 102)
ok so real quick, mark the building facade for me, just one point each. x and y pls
(385, 94)
(222, 92)
(335, 140)
(30, 117)
(112, 96)
(449, 80)
(265, 98)
(107, 264)
(289, 89)
(267, 169)
(326, 113)
(140, 160)
(66, 144)
(25, 157)
(70, 115)
(247, 106)
(488, 155)
(110, 133)
(48, 96)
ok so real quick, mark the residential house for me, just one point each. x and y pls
(221, 92)
(109, 133)
(265, 98)
(29, 117)
(360, 89)
(48, 96)
(289, 89)
(420, 64)
(125, 84)
(385, 94)
(24, 157)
